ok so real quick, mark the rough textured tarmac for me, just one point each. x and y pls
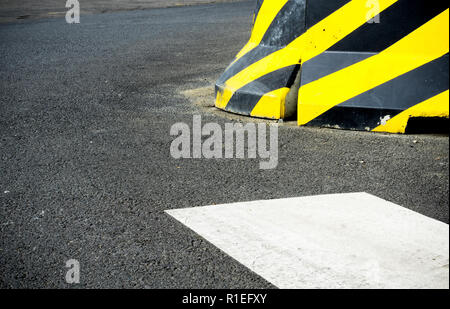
(86, 173)
(12, 10)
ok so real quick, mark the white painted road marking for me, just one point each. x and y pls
(351, 240)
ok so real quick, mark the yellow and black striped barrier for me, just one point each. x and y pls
(360, 64)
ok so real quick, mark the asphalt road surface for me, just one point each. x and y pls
(12, 10)
(86, 172)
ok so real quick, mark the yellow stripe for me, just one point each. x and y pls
(267, 13)
(271, 105)
(425, 44)
(437, 106)
(313, 42)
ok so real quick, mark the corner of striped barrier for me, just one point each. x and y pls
(263, 79)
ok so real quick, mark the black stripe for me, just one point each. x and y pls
(428, 125)
(397, 21)
(352, 118)
(245, 99)
(286, 27)
(389, 99)
(328, 63)
(248, 59)
(316, 10)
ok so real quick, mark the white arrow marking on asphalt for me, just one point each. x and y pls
(351, 240)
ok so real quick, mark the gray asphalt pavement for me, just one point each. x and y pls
(86, 172)
(13, 10)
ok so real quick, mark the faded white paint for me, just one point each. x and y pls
(384, 120)
(331, 241)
